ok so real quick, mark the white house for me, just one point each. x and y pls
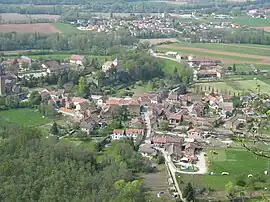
(128, 133)
(110, 64)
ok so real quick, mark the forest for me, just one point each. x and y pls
(36, 168)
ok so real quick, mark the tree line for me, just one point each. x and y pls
(90, 42)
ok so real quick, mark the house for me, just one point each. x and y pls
(147, 151)
(227, 106)
(87, 124)
(100, 100)
(134, 133)
(174, 150)
(176, 118)
(66, 112)
(110, 64)
(118, 134)
(173, 96)
(54, 66)
(77, 60)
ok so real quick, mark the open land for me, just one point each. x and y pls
(238, 86)
(65, 28)
(27, 117)
(235, 161)
(44, 28)
(158, 41)
(11, 17)
(266, 28)
(217, 53)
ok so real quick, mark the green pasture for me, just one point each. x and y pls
(66, 28)
(26, 117)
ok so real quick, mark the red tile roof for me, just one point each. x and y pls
(134, 131)
(77, 57)
(159, 139)
(79, 100)
(113, 102)
(118, 131)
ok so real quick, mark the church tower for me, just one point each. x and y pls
(2, 81)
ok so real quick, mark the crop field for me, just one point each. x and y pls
(236, 162)
(158, 41)
(43, 28)
(27, 117)
(238, 86)
(225, 53)
(16, 17)
(65, 28)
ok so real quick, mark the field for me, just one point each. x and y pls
(236, 86)
(158, 41)
(44, 28)
(27, 117)
(16, 17)
(225, 53)
(234, 161)
(65, 28)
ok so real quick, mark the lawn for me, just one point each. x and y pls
(26, 117)
(207, 54)
(66, 28)
(51, 57)
(235, 161)
(253, 50)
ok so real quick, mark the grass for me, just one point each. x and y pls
(253, 50)
(234, 161)
(237, 86)
(169, 66)
(51, 57)
(66, 28)
(207, 54)
(26, 117)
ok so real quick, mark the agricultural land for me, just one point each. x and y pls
(44, 28)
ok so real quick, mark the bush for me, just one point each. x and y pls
(240, 181)
(160, 159)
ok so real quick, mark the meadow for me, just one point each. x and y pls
(236, 161)
(66, 28)
(236, 86)
(25, 117)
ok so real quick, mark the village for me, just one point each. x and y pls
(180, 126)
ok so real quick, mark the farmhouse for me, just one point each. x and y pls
(77, 60)
(54, 66)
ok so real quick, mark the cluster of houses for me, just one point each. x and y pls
(136, 25)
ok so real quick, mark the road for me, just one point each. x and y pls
(148, 125)
(172, 170)
(164, 57)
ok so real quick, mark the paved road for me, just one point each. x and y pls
(172, 170)
(148, 125)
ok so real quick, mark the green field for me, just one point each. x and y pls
(208, 54)
(170, 65)
(236, 86)
(26, 117)
(253, 50)
(66, 28)
(234, 161)
(51, 57)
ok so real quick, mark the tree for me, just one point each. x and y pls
(188, 192)
(82, 86)
(231, 191)
(234, 67)
(164, 125)
(35, 98)
(12, 101)
(160, 159)
(25, 65)
(35, 66)
(54, 129)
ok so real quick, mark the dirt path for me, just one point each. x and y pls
(264, 59)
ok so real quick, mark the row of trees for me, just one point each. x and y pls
(86, 42)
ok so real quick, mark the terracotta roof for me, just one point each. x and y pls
(77, 57)
(113, 102)
(79, 99)
(65, 110)
(134, 131)
(118, 131)
(159, 139)
(212, 72)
